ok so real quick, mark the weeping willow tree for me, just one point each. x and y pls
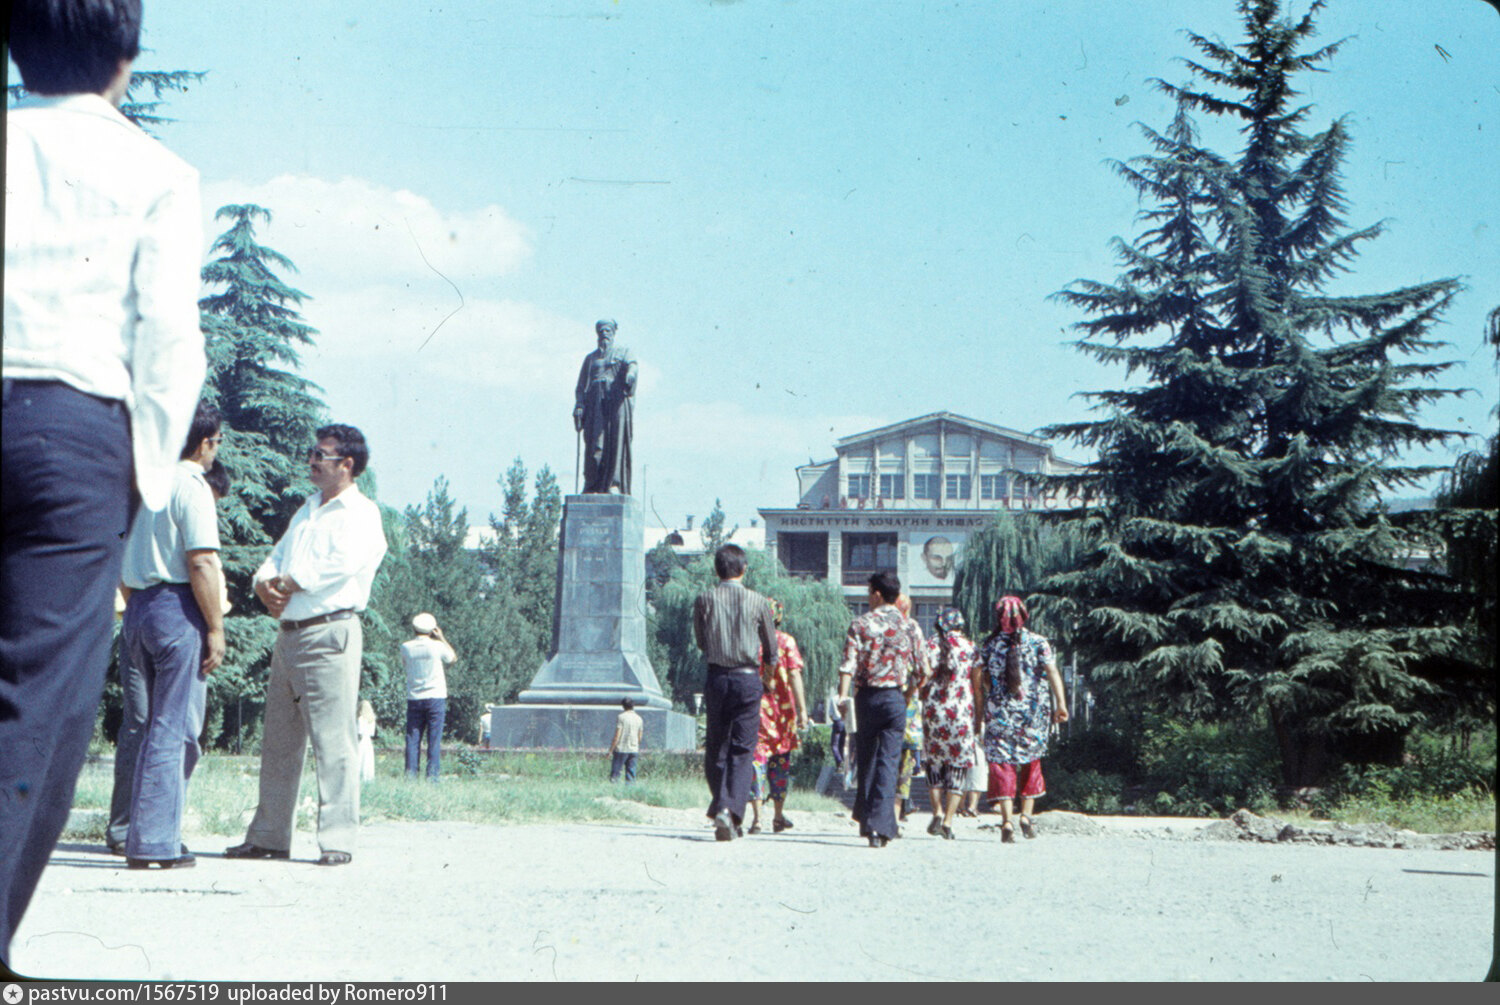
(816, 616)
(1016, 554)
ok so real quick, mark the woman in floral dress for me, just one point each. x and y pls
(1021, 693)
(783, 712)
(948, 714)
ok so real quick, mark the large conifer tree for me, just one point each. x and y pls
(1247, 562)
(252, 330)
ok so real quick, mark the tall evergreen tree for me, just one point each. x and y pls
(1469, 503)
(1246, 562)
(522, 559)
(252, 330)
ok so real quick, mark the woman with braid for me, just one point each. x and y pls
(1021, 693)
(949, 716)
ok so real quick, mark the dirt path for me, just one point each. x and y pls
(661, 900)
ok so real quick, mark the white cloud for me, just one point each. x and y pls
(504, 344)
(355, 231)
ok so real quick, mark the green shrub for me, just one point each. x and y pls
(807, 761)
(1208, 767)
(1086, 791)
(1433, 768)
(467, 761)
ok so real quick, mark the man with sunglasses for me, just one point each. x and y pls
(316, 581)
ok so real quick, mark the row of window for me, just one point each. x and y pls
(926, 486)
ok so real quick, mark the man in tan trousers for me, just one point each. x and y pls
(316, 581)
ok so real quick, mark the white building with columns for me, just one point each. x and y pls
(905, 498)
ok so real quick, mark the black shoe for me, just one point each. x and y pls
(755, 827)
(947, 833)
(876, 841)
(118, 848)
(777, 826)
(725, 828)
(335, 858)
(936, 827)
(181, 862)
(251, 850)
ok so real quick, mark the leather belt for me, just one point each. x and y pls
(720, 668)
(321, 619)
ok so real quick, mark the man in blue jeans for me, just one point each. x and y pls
(172, 637)
(426, 693)
(630, 729)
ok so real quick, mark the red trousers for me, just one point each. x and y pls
(1003, 780)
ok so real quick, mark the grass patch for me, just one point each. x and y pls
(1461, 811)
(500, 787)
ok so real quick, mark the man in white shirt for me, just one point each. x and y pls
(426, 693)
(102, 364)
(172, 637)
(316, 581)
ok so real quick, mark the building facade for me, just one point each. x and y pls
(905, 498)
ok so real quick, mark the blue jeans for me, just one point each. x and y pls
(622, 762)
(164, 634)
(66, 498)
(136, 702)
(425, 715)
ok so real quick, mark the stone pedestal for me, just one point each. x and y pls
(598, 640)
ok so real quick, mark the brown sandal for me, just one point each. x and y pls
(1026, 828)
(1007, 833)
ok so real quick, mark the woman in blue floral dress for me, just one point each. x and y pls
(1021, 693)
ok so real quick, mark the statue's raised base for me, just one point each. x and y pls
(584, 727)
(598, 641)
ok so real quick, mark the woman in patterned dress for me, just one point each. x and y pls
(1021, 693)
(783, 712)
(949, 717)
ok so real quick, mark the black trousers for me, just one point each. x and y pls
(65, 493)
(881, 715)
(733, 704)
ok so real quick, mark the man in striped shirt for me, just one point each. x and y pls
(734, 627)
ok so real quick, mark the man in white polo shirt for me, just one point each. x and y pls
(426, 693)
(316, 581)
(172, 638)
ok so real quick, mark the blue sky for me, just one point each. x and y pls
(808, 218)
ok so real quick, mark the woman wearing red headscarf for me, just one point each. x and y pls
(1019, 672)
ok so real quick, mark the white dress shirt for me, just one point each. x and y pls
(331, 550)
(103, 243)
